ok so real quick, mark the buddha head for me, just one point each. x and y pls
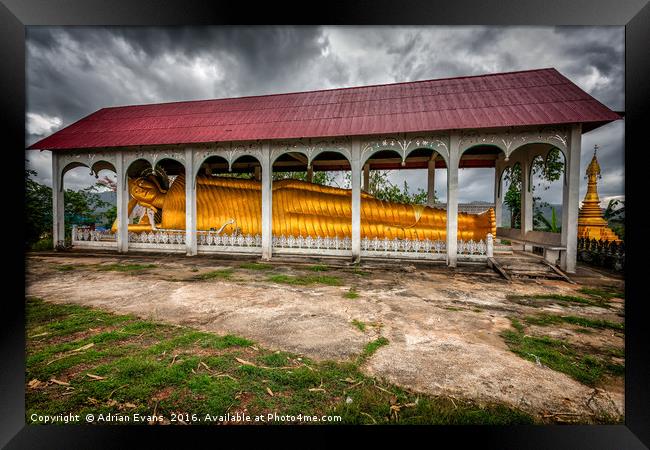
(147, 191)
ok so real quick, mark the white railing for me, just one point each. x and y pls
(154, 240)
(211, 242)
(83, 236)
(375, 247)
(469, 208)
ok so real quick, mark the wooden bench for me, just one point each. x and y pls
(550, 242)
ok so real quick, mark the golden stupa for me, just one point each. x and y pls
(300, 208)
(591, 223)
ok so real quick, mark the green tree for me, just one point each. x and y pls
(380, 186)
(323, 178)
(83, 207)
(549, 170)
(38, 210)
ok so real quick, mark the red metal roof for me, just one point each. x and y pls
(532, 97)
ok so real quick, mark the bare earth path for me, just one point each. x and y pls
(442, 325)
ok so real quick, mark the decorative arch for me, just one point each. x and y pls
(312, 148)
(469, 146)
(404, 145)
(228, 151)
(512, 139)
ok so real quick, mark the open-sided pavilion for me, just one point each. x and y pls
(494, 120)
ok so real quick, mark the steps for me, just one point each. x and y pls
(521, 265)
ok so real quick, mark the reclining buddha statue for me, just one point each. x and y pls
(300, 208)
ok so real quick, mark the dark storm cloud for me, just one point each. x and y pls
(74, 71)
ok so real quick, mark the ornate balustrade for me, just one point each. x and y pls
(607, 254)
(83, 236)
(213, 242)
(389, 248)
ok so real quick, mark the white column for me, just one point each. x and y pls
(267, 202)
(452, 199)
(570, 201)
(366, 177)
(122, 205)
(431, 180)
(526, 199)
(355, 167)
(190, 203)
(498, 195)
(58, 204)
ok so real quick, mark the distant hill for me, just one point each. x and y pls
(546, 212)
(108, 196)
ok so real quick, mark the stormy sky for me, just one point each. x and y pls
(74, 71)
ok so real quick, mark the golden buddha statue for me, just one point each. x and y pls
(591, 224)
(299, 208)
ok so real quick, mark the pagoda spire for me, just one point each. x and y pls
(591, 223)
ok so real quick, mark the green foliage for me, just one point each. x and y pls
(372, 347)
(542, 299)
(305, 280)
(256, 266)
(149, 366)
(559, 355)
(360, 325)
(549, 170)
(38, 212)
(550, 226)
(552, 319)
(380, 186)
(603, 293)
(223, 274)
(351, 294)
(81, 208)
(324, 178)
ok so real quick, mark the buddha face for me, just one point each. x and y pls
(147, 192)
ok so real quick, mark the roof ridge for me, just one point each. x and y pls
(543, 69)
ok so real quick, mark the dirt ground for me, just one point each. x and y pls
(443, 325)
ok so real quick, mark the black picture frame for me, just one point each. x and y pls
(633, 14)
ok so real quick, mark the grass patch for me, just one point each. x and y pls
(351, 294)
(222, 274)
(147, 366)
(552, 319)
(64, 268)
(540, 299)
(318, 268)
(452, 308)
(372, 347)
(43, 245)
(360, 325)
(305, 279)
(559, 355)
(602, 293)
(256, 266)
(126, 267)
